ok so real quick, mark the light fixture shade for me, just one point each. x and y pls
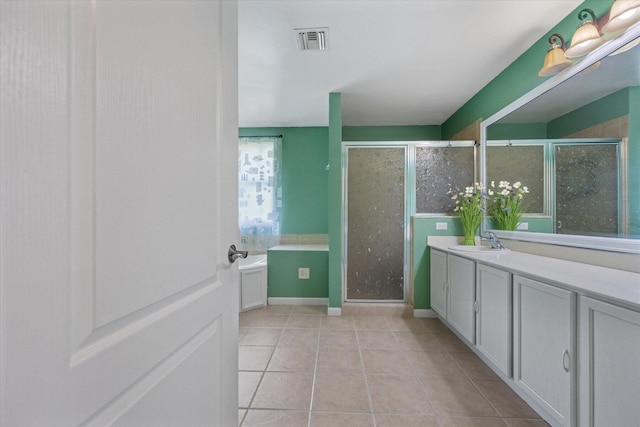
(554, 60)
(623, 14)
(584, 40)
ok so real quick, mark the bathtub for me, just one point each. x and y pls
(253, 281)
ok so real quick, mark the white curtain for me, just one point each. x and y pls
(259, 192)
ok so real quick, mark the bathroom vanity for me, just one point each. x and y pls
(564, 335)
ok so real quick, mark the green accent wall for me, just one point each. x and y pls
(391, 133)
(523, 131)
(305, 156)
(335, 200)
(604, 109)
(282, 274)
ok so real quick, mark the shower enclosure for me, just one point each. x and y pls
(384, 184)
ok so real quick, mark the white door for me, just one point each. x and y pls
(118, 120)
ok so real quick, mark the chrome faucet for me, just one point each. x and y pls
(493, 241)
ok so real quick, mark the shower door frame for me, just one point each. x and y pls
(549, 197)
(621, 147)
(409, 208)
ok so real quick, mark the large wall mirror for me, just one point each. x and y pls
(574, 141)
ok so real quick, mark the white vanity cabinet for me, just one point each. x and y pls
(462, 296)
(564, 335)
(453, 291)
(544, 322)
(438, 274)
(609, 392)
(494, 320)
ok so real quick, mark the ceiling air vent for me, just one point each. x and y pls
(312, 38)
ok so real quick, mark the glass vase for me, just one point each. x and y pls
(469, 237)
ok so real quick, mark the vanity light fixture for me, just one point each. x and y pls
(554, 60)
(623, 14)
(586, 38)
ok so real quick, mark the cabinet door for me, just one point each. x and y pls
(494, 316)
(438, 275)
(609, 365)
(544, 349)
(462, 296)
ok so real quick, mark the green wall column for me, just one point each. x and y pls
(335, 200)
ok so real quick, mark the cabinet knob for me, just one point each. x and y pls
(566, 360)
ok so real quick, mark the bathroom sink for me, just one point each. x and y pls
(479, 249)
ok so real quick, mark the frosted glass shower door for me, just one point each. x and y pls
(587, 189)
(375, 194)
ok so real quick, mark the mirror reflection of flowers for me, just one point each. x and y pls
(505, 204)
(470, 207)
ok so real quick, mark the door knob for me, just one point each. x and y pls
(234, 254)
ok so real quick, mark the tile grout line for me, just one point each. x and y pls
(263, 372)
(435, 413)
(473, 383)
(364, 374)
(315, 372)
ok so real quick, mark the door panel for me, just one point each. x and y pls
(461, 276)
(150, 104)
(118, 306)
(544, 346)
(587, 193)
(438, 276)
(375, 222)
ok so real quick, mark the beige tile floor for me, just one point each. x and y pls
(299, 367)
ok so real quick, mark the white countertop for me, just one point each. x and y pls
(618, 286)
(316, 248)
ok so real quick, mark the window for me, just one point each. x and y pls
(259, 191)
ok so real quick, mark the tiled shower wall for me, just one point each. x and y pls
(615, 128)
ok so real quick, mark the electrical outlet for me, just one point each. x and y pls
(441, 225)
(303, 273)
(523, 226)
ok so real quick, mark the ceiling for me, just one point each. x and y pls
(395, 62)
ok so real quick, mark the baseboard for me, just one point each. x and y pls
(334, 311)
(297, 301)
(424, 312)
